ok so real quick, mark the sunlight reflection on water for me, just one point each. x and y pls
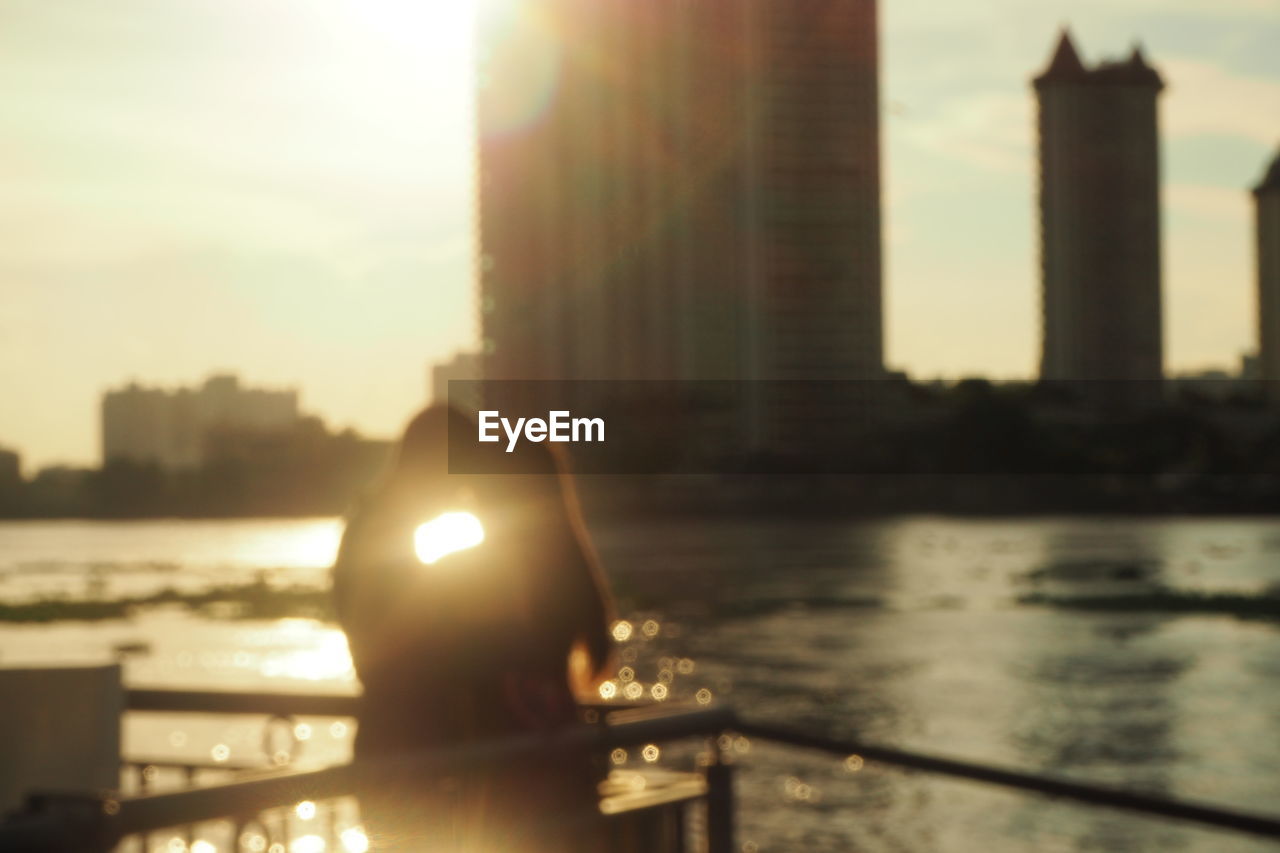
(111, 559)
(321, 653)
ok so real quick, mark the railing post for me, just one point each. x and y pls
(720, 805)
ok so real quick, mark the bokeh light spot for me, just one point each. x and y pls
(354, 840)
(307, 844)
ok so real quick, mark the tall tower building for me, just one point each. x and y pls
(1266, 197)
(1099, 218)
(680, 190)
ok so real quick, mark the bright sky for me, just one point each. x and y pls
(282, 188)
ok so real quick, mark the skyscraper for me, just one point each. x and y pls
(680, 190)
(1266, 196)
(1099, 218)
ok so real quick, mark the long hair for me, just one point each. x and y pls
(422, 458)
(537, 508)
(534, 527)
(546, 514)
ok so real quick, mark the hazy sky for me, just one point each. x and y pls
(282, 188)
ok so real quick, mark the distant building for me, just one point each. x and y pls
(10, 480)
(1100, 218)
(703, 205)
(462, 366)
(58, 490)
(1249, 367)
(10, 468)
(1266, 196)
(172, 428)
(1211, 384)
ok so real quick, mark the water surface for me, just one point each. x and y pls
(910, 632)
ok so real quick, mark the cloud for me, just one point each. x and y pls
(1205, 99)
(1247, 8)
(994, 129)
(989, 130)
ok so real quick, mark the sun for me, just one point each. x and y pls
(447, 26)
(435, 35)
(405, 69)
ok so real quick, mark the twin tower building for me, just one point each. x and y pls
(691, 190)
(1100, 225)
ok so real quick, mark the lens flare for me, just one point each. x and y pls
(453, 531)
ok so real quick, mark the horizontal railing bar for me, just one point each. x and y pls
(139, 763)
(1202, 813)
(276, 704)
(226, 702)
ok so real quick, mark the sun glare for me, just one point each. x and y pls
(413, 21)
(401, 52)
(453, 531)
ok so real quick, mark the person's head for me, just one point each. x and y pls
(529, 509)
(420, 475)
(525, 491)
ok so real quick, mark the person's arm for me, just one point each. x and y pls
(591, 612)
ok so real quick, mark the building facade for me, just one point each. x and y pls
(1266, 197)
(171, 428)
(463, 366)
(675, 190)
(1099, 194)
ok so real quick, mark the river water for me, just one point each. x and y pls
(909, 632)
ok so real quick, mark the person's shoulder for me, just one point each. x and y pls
(366, 521)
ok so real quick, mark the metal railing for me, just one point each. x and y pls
(1205, 814)
(223, 702)
(96, 823)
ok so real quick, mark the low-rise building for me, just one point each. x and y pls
(171, 428)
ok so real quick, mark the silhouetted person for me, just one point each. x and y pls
(475, 646)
